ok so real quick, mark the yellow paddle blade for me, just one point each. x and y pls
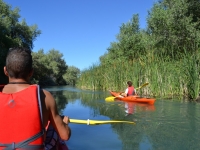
(143, 85)
(110, 99)
(97, 122)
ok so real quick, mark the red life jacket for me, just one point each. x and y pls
(21, 125)
(131, 91)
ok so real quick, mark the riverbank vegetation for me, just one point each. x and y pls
(166, 54)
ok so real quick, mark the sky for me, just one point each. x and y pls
(81, 30)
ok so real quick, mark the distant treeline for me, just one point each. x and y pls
(49, 68)
(166, 53)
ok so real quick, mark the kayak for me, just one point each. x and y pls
(133, 98)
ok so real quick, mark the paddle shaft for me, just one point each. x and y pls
(98, 122)
(145, 84)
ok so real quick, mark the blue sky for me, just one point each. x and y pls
(81, 30)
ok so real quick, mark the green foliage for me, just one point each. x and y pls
(190, 73)
(174, 28)
(13, 33)
(130, 44)
(49, 68)
(71, 75)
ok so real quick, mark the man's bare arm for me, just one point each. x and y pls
(60, 124)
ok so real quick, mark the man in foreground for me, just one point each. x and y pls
(25, 109)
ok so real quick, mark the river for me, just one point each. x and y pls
(166, 125)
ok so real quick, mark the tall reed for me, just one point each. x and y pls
(167, 77)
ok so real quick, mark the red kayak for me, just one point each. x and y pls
(134, 98)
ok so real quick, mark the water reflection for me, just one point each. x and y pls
(131, 107)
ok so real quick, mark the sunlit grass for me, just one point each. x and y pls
(167, 78)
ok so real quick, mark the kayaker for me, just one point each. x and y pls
(25, 110)
(130, 90)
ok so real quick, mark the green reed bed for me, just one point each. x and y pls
(190, 75)
(162, 75)
(167, 78)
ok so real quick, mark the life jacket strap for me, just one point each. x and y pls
(24, 144)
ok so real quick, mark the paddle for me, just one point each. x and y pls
(98, 122)
(112, 98)
(143, 85)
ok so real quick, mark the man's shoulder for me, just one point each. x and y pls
(45, 92)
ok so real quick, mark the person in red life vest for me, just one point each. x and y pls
(25, 109)
(130, 90)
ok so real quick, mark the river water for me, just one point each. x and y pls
(166, 125)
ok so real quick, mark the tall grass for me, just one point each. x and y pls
(167, 78)
(190, 65)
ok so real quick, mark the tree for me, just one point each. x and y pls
(130, 45)
(13, 33)
(49, 68)
(173, 24)
(71, 75)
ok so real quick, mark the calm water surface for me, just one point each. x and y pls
(166, 125)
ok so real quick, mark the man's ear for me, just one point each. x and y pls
(5, 71)
(31, 73)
